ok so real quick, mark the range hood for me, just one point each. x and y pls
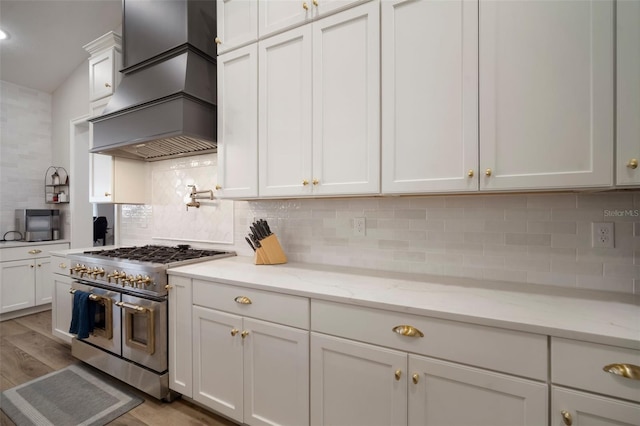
(165, 105)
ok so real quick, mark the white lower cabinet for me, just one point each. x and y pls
(569, 407)
(354, 383)
(62, 299)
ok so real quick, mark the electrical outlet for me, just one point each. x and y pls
(359, 226)
(602, 235)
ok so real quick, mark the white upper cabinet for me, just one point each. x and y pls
(238, 123)
(628, 93)
(319, 106)
(429, 96)
(546, 94)
(104, 65)
(237, 23)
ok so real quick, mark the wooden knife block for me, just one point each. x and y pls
(270, 252)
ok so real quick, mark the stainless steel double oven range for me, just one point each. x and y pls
(128, 286)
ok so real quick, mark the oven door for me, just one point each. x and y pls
(144, 331)
(107, 331)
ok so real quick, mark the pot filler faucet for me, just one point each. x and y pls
(195, 195)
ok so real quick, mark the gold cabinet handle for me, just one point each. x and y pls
(305, 6)
(315, 2)
(628, 371)
(488, 172)
(35, 251)
(107, 85)
(244, 334)
(415, 378)
(168, 287)
(470, 173)
(633, 163)
(39, 265)
(62, 266)
(305, 182)
(315, 181)
(106, 194)
(218, 187)
(218, 41)
(566, 417)
(243, 300)
(407, 330)
(31, 266)
(398, 374)
(234, 331)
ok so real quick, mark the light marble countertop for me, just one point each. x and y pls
(9, 244)
(599, 317)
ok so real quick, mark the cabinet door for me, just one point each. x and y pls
(101, 75)
(355, 384)
(429, 96)
(100, 178)
(217, 361)
(238, 123)
(346, 102)
(130, 181)
(443, 393)
(583, 409)
(628, 92)
(61, 307)
(43, 281)
(237, 22)
(285, 113)
(276, 374)
(180, 336)
(17, 285)
(275, 16)
(546, 94)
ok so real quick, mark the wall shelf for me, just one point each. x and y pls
(56, 185)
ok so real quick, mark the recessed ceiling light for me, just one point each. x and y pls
(3, 35)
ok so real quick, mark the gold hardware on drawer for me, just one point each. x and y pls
(566, 417)
(305, 6)
(633, 163)
(470, 173)
(31, 266)
(234, 331)
(106, 194)
(244, 334)
(243, 300)
(62, 266)
(315, 181)
(488, 172)
(305, 182)
(168, 287)
(218, 41)
(398, 374)
(407, 330)
(415, 378)
(218, 187)
(628, 371)
(107, 85)
(35, 251)
(315, 2)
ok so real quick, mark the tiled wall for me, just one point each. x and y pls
(25, 150)
(530, 238)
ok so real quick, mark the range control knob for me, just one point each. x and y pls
(144, 282)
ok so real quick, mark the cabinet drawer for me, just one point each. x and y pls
(59, 265)
(265, 305)
(580, 365)
(509, 351)
(30, 252)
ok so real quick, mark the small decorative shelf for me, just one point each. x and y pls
(56, 185)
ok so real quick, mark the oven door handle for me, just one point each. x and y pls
(130, 310)
(136, 308)
(92, 296)
(107, 333)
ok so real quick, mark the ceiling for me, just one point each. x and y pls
(46, 38)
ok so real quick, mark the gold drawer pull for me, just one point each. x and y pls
(305, 6)
(244, 334)
(407, 330)
(62, 266)
(470, 173)
(566, 418)
(398, 374)
(243, 300)
(416, 378)
(628, 371)
(35, 251)
(632, 164)
(234, 331)
(217, 40)
(488, 172)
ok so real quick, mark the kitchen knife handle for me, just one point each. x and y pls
(250, 243)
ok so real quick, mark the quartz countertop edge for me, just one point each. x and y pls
(593, 316)
(12, 243)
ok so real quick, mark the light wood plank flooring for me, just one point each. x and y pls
(29, 350)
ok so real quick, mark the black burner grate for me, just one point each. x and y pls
(155, 254)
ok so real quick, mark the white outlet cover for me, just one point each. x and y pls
(602, 235)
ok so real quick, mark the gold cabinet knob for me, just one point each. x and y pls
(218, 41)
(39, 265)
(566, 417)
(234, 331)
(107, 85)
(470, 173)
(305, 6)
(168, 287)
(633, 163)
(106, 194)
(244, 334)
(628, 371)
(415, 378)
(407, 330)
(31, 266)
(305, 182)
(62, 266)
(218, 187)
(315, 2)
(315, 181)
(398, 374)
(488, 172)
(243, 300)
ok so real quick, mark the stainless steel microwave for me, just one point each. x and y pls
(38, 224)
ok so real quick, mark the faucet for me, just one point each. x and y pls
(194, 196)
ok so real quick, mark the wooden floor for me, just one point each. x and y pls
(29, 350)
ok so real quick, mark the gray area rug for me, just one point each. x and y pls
(75, 395)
